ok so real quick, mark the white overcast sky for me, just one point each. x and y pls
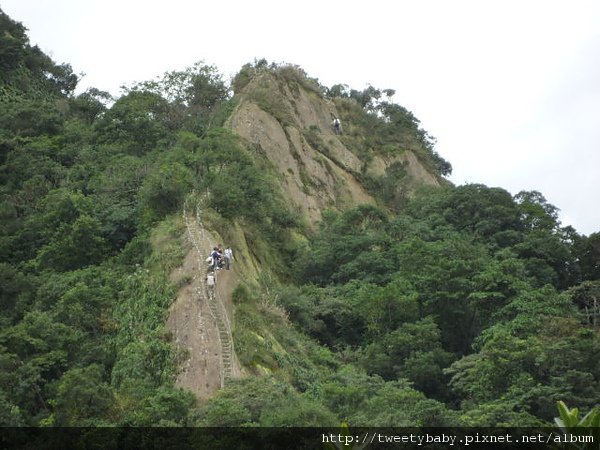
(510, 88)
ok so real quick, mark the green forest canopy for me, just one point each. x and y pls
(459, 306)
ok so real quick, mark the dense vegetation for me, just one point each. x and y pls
(459, 306)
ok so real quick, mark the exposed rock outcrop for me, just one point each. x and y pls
(290, 124)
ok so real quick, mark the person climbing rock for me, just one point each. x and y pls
(228, 257)
(336, 125)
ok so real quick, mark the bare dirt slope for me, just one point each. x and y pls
(197, 319)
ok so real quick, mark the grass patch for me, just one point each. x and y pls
(273, 102)
(313, 136)
(167, 246)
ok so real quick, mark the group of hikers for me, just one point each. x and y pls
(218, 259)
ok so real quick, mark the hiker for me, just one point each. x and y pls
(211, 280)
(221, 256)
(336, 125)
(216, 257)
(228, 257)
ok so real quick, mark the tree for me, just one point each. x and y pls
(16, 292)
(33, 353)
(193, 95)
(365, 400)
(163, 191)
(76, 245)
(13, 41)
(263, 401)
(588, 250)
(137, 122)
(82, 398)
(90, 105)
(536, 212)
(387, 355)
(587, 298)
(489, 213)
(535, 354)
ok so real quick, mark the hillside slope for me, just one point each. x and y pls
(285, 120)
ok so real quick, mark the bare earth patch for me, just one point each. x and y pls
(192, 322)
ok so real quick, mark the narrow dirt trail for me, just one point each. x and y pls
(200, 317)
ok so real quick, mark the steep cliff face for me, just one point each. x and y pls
(290, 123)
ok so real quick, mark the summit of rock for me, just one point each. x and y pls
(287, 117)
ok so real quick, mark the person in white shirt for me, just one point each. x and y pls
(335, 123)
(211, 280)
(228, 257)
